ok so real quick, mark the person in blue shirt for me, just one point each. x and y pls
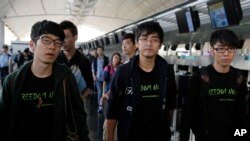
(98, 65)
(5, 63)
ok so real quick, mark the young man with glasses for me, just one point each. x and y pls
(215, 104)
(32, 106)
(142, 94)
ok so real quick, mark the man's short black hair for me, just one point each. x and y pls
(69, 25)
(46, 27)
(26, 50)
(150, 27)
(226, 37)
(5, 46)
(129, 36)
(100, 47)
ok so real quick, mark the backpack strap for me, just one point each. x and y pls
(205, 81)
(205, 84)
(239, 78)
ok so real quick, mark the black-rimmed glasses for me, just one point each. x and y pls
(48, 41)
(222, 50)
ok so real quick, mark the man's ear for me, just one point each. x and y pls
(212, 51)
(32, 46)
(76, 37)
(136, 45)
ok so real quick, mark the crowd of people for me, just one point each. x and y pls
(49, 96)
(10, 61)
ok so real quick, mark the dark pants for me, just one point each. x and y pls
(90, 105)
(4, 73)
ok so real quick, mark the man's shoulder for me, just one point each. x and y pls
(80, 57)
(58, 67)
(125, 70)
(5, 55)
(106, 57)
(161, 61)
(85, 59)
(237, 70)
(126, 65)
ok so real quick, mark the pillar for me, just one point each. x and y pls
(1, 34)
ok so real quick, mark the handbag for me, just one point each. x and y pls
(71, 135)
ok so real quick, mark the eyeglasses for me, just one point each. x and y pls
(48, 41)
(222, 50)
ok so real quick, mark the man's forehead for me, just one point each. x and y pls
(145, 33)
(223, 44)
(67, 32)
(127, 39)
(54, 37)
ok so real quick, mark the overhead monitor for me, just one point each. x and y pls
(224, 13)
(187, 20)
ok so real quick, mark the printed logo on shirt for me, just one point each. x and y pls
(150, 90)
(41, 98)
(225, 91)
(129, 91)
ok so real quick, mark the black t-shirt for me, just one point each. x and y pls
(221, 102)
(224, 102)
(36, 107)
(78, 61)
(145, 125)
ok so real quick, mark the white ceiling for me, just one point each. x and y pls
(104, 15)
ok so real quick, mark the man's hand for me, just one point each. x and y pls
(86, 93)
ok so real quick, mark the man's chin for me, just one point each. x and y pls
(48, 62)
(149, 56)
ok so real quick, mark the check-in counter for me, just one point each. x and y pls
(242, 58)
(195, 57)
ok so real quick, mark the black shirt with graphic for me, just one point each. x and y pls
(145, 125)
(224, 103)
(36, 107)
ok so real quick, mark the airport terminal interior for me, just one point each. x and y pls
(187, 26)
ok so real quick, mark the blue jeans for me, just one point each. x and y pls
(100, 116)
(99, 91)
